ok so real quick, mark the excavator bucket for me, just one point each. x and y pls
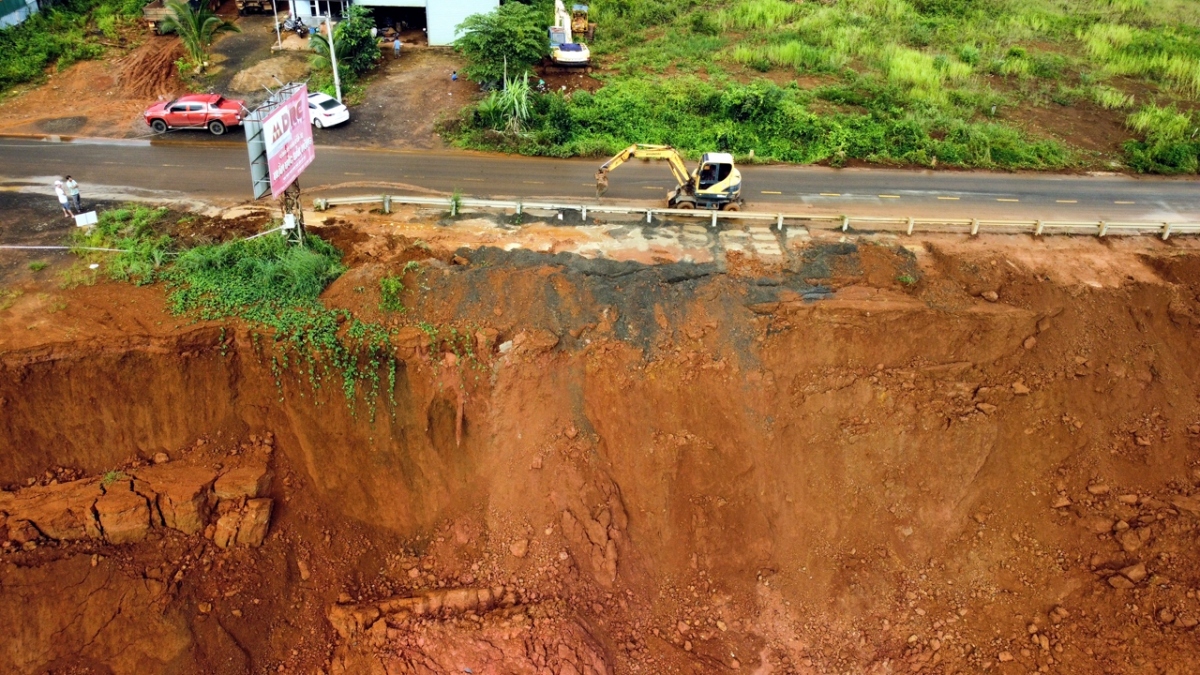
(601, 183)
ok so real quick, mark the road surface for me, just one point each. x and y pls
(217, 172)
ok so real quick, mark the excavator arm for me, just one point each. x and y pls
(641, 151)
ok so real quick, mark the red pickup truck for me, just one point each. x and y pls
(196, 111)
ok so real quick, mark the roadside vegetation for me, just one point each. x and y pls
(60, 35)
(196, 28)
(357, 54)
(923, 82)
(271, 285)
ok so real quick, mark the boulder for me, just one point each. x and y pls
(124, 514)
(226, 528)
(62, 512)
(534, 342)
(182, 494)
(256, 519)
(243, 481)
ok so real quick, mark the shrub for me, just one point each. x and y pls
(513, 35)
(59, 35)
(1169, 145)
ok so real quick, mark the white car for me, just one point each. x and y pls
(325, 111)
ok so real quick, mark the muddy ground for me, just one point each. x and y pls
(949, 456)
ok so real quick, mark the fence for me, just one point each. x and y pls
(908, 225)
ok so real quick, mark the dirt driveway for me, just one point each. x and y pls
(405, 99)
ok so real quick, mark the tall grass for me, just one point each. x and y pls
(758, 14)
(942, 74)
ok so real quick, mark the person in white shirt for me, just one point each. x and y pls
(73, 194)
(62, 198)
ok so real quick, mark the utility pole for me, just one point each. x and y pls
(278, 36)
(337, 81)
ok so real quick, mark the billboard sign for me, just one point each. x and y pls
(289, 141)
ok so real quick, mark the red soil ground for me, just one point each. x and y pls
(644, 469)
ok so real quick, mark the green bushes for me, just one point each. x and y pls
(904, 80)
(58, 36)
(1170, 144)
(774, 122)
(132, 231)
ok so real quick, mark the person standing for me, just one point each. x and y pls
(73, 194)
(62, 198)
(396, 46)
(454, 76)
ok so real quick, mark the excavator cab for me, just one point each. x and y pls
(715, 168)
(718, 183)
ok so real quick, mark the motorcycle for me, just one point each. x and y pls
(294, 25)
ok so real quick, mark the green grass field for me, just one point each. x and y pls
(919, 82)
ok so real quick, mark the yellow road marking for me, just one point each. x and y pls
(227, 168)
(771, 192)
(474, 180)
(889, 196)
(534, 182)
(949, 199)
(651, 188)
(1124, 202)
(1008, 200)
(831, 194)
(1067, 201)
(348, 173)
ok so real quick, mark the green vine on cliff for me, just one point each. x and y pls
(265, 282)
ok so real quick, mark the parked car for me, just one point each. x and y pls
(196, 111)
(325, 110)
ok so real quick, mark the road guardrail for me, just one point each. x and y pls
(844, 222)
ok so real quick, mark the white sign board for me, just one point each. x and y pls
(85, 219)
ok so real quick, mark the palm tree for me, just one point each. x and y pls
(320, 59)
(196, 27)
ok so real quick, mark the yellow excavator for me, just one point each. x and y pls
(715, 184)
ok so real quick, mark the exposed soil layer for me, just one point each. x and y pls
(944, 458)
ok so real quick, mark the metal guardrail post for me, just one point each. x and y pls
(974, 227)
(519, 207)
(845, 223)
(779, 223)
(387, 203)
(584, 213)
(1166, 231)
(911, 222)
(714, 220)
(649, 215)
(1037, 232)
(1103, 229)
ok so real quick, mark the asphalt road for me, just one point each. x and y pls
(217, 172)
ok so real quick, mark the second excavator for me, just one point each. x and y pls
(715, 184)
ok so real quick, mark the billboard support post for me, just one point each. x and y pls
(289, 201)
(279, 140)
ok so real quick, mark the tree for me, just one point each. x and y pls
(196, 28)
(357, 49)
(513, 33)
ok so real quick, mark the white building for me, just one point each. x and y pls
(438, 17)
(13, 12)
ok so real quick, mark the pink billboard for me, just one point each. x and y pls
(289, 141)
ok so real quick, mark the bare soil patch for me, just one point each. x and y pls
(405, 99)
(1083, 125)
